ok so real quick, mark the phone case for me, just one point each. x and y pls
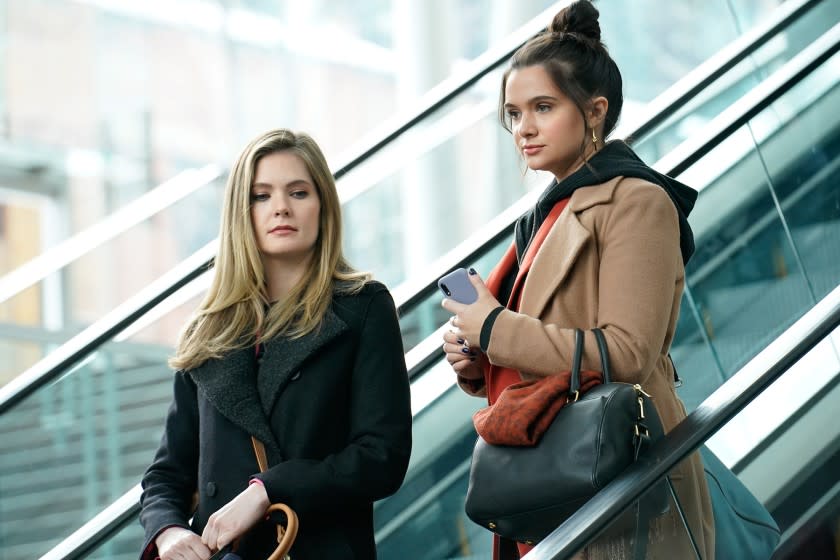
(456, 285)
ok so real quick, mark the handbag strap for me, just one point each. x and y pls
(574, 381)
(605, 354)
(259, 451)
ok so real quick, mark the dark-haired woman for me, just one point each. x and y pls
(613, 257)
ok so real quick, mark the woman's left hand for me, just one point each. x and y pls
(468, 319)
(236, 517)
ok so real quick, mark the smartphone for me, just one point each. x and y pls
(456, 285)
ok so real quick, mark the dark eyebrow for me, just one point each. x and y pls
(536, 99)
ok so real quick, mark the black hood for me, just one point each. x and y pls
(615, 159)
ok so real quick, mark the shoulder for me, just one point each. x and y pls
(620, 194)
(631, 190)
(353, 308)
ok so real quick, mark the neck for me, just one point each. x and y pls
(588, 152)
(281, 275)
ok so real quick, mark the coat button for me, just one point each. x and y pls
(210, 489)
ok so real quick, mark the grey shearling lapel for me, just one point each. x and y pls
(229, 385)
(284, 356)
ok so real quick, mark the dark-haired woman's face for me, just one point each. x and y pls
(547, 126)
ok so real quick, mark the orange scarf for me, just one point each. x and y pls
(498, 378)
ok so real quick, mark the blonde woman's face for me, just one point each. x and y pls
(285, 208)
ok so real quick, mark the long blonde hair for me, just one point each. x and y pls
(235, 312)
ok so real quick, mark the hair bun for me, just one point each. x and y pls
(581, 18)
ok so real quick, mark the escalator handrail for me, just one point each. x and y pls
(718, 409)
(690, 151)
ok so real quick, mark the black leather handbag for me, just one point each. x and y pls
(524, 493)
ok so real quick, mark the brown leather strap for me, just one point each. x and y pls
(259, 451)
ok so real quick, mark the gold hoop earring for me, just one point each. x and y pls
(594, 138)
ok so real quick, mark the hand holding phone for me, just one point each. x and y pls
(457, 286)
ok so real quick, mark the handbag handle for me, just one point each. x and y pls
(605, 354)
(285, 537)
(574, 383)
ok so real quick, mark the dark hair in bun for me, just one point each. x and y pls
(580, 18)
(571, 51)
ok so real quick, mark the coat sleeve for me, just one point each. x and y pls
(169, 484)
(640, 265)
(373, 464)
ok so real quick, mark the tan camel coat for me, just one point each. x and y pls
(612, 260)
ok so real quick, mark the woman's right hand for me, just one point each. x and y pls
(466, 364)
(177, 543)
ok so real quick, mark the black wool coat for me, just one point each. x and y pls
(333, 411)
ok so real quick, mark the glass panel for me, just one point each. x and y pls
(746, 287)
(740, 79)
(85, 439)
(426, 518)
(745, 278)
(804, 180)
(697, 364)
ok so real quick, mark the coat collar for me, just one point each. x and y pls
(562, 247)
(232, 386)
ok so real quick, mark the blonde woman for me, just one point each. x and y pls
(293, 346)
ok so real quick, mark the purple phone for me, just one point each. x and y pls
(456, 285)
